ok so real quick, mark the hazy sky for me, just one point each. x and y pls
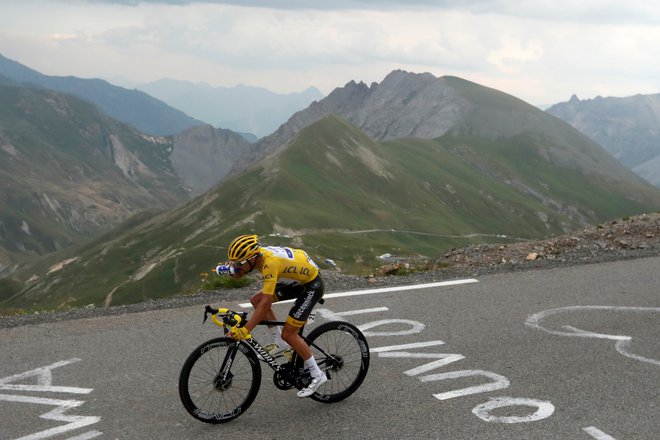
(542, 51)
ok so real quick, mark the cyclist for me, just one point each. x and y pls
(287, 273)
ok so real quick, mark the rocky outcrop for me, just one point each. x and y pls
(203, 155)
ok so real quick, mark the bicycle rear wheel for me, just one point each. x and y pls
(342, 352)
(219, 380)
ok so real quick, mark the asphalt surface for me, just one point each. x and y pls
(565, 353)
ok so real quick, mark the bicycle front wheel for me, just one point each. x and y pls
(342, 352)
(219, 380)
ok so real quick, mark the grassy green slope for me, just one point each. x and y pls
(343, 196)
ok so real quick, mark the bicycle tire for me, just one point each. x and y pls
(201, 392)
(347, 363)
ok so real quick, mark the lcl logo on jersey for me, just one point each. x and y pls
(294, 269)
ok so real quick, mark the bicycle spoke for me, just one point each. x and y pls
(341, 351)
(213, 395)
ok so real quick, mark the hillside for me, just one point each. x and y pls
(629, 128)
(240, 108)
(618, 239)
(134, 107)
(346, 197)
(69, 172)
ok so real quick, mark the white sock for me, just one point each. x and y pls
(313, 368)
(276, 333)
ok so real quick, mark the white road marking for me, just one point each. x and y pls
(544, 410)
(338, 316)
(499, 382)
(74, 422)
(597, 433)
(44, 378)
(384, 290)
(359, 312)
(622, 343)
(415, 327)
(86, 435)
(404, 346)
(48, 389)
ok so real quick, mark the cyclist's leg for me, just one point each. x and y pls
(305, 302)
(256, 300)
(298, 315)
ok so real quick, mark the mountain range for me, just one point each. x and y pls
(629, 128)
(242, 109)
(137, 108)
(413, 166)
(69, 172)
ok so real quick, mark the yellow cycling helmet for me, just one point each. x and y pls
(243, 247)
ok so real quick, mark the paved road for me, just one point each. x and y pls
(571, 353)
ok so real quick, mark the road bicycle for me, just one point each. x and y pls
(221, 378)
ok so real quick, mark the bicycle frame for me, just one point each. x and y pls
(252, 342)
(259, 349)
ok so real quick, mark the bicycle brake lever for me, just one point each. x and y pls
(209, 310)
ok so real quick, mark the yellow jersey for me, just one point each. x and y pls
(286, 266)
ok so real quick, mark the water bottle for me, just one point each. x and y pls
(224, 269)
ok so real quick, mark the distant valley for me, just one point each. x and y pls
(242, 109)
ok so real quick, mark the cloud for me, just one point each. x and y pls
(589, 11)
(541, 51)
(515, 52)
(64, 37)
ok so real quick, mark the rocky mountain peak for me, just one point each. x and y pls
(404, 104)
(574, 99)
(417, 105)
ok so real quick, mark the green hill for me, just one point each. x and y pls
(344, 196)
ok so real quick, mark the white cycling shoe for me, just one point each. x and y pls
(313, 386)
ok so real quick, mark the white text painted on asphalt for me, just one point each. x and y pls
(44, 384)
(495, 381)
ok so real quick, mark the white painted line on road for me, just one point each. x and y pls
(384, 290)
(359, 312)
(597, 433)
(622, 343)
(45, 389)
(405, 346)
(40, 400)
(86, 435)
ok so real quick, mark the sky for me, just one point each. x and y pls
(542, 51)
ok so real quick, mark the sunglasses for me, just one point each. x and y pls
(240, 263)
